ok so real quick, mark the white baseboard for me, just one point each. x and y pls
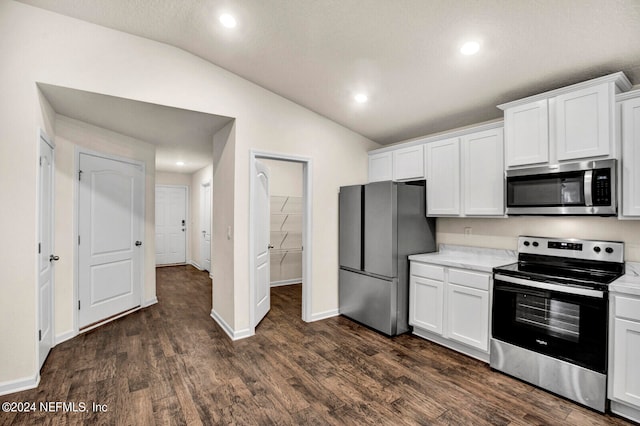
(19, 385)
(233, 335)
(625, 411)
(286, 282)
(324, 315)
(150, 302)
(195, 265)
(63, 337)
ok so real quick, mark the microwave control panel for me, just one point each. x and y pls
(601, 187)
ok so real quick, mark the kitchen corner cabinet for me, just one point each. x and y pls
(450, 306)
(380, 167)
(624, 368)
(630, 164)
(443, 177)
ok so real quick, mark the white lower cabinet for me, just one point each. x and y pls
(451, 307)
(624, 364)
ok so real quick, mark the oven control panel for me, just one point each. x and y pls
(609, 251)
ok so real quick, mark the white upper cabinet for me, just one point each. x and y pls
(408, 163)
(380, 167)
(567, 124)
(583, 123)
(630, 164)
(443, 177)
(527, 132)
(483, 171)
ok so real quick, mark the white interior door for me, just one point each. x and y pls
(46, 257)
(110, 253)
(205, 221)
(262, 245)
(171, 224)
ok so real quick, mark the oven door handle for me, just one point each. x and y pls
(550, 286)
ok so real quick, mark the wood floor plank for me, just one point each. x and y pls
(171, 364)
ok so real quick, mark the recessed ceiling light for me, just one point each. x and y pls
(470, 48)
(228, 20)
(361, 98)
(179, 163)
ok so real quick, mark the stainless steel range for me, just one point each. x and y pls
(549, 316)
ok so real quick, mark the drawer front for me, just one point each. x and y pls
(627, 307)
(427, 271)
(477, 280)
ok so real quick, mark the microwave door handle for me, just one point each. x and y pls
(588, 185)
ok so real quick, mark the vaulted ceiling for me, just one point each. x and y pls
(403, 54)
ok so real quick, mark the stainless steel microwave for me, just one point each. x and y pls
(584, 188)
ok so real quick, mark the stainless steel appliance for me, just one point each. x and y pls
(549, 315)
(380, 225)
(585, 188)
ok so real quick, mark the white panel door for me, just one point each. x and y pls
(171, 219)
(261, 241)
(110, 254)
(527, 133)
(46, 257)
(483, 164)
(443, 177)
(425, 303)
(631, 157)
(205, 223)
(583, 123)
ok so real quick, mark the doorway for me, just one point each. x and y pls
(255, 212)
(171, 224)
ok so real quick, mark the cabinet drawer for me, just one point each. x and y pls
(627, 307)
(427, 271)
(476, 280)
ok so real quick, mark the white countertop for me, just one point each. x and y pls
(629, 283)
(474, 258)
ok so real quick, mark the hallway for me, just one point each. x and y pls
(171, 364)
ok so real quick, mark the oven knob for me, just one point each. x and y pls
(526, 243)
(535, 244)
(596, 249)
(609, 250)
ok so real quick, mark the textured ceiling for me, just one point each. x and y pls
(403, 53)
(178, 134)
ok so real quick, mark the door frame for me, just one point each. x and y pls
(307, 222)
(76, 232)
(187, 213)
(203, 185)
(42, 135)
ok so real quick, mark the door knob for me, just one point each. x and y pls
(54, 257)
(138, 243)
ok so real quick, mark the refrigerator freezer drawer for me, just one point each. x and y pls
(371, 301)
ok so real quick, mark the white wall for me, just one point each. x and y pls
(40, 46)
(169, 178)
(503, 233)
(69, 135)
(286, 177)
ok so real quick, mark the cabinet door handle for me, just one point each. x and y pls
(138, 243)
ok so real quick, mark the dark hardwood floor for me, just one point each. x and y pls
(172, 364)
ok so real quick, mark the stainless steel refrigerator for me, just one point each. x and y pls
(381, 223)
